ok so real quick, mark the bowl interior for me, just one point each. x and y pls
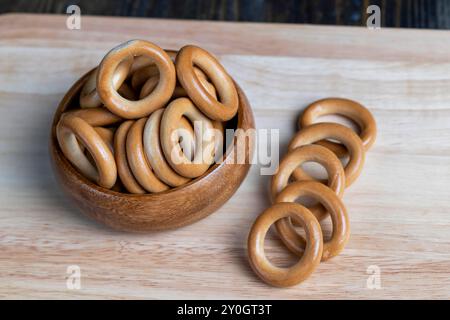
(70, 101)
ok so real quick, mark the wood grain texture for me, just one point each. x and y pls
(399, 208)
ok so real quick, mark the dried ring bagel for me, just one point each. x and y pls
(341, 226)
(141, 108)
(203, 134)
(297, 157)
(123, 169)
(96, 117)
(70, 130)
(320, 131)
(152, 147)
(137, 159)
(223, 110)
(310, 258)
(127, 92)
(142, 75)
(347, 108)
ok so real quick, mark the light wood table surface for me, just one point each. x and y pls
(399, 208)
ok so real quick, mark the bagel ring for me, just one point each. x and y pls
(347, 108)
(107, 134)
(71, 130)
(297, 157)
(89, 97)
(126, 91)
(320, 131)
(141, 108)
(123, 169)
(138, 161)
(223, 110)
(96, 117)
(142, 75)
(339, 217)
(152, 148)
(310, 259)
(204, 146)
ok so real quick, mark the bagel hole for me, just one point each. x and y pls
(327, 228)
(204, 72)
(300, 230)
(344, 160)
(86, 152)
(315, 170)
(126, 91)
(208, 79)
(306, 201)
(90, 158)
(334, 141)
(188, 153)
(340, 119)
(276, 252)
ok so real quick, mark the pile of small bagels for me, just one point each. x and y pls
(134, 131)
(312, 143)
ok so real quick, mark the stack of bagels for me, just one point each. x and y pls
(149, 119)
(291, 182)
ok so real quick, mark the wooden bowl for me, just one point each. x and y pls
(158, 211)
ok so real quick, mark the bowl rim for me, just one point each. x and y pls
(71, 95)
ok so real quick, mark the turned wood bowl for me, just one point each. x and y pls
(170, 209)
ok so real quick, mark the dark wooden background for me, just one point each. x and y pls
(394, 13)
